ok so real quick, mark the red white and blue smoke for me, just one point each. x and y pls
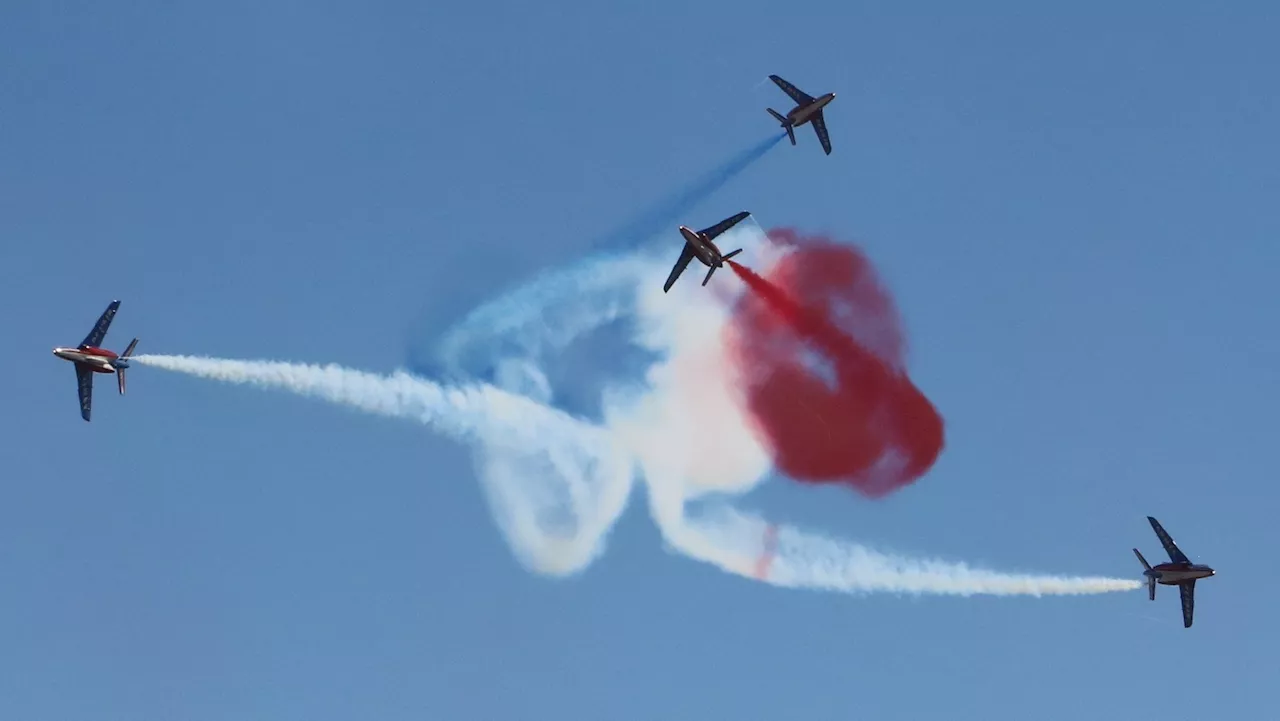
(589, 379)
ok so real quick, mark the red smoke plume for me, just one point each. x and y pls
(819, 350)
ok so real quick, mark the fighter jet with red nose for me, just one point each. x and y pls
(1179, 571)
(91, 358)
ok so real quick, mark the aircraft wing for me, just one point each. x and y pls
(686, 255)
(798, 95)
(99, 331)
(1187, 589)
(724, 225)
(820, 127)
(1175, 554)
(84, 379)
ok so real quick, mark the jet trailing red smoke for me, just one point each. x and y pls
(819, 351)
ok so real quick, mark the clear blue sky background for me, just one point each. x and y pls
(1075, 211)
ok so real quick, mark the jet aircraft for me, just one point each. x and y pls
(90, 358)
(1180, 572)
(699, 244)
(808, 109)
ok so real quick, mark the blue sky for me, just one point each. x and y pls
(1073, 210)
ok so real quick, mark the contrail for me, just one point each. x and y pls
(557, 482)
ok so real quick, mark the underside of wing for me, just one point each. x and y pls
(725, 224)
(84, 383)
(798, 95)
(1175, 554)
(820, 127)
(99, 331)
(686, 255)
(1187, 589)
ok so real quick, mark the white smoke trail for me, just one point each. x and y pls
(557, 483)
(556, 527)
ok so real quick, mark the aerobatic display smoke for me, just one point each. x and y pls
(557, 481)
(819, 352)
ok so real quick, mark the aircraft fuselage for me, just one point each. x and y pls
(703, 249)
(1172, 574)
(99, 360)
(802, 114)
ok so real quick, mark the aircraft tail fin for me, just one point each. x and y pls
(120, 381)
(1151, 579)
(722, 259)
(791, 133)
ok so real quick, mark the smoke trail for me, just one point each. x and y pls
(555, 527)
(541, 316)
(835, 407)
(656, 218)
(558, 482)
(792, 558)
(583, 452)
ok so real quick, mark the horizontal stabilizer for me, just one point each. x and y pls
(791, 133)
(733, 253)
(1145, 565)
(1151, 578)
(129, 351)
(709, 272)
(120, 380)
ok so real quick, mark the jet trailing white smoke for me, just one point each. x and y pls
(557, 482)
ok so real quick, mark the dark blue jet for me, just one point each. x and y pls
(1180, 572)
(808, 109)
(700, 244)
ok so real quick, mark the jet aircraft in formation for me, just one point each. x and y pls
(700, 244)
(808, 109)
(91, 358)
(1179, 571)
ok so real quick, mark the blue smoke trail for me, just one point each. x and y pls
(660, 215)
(491, 343)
